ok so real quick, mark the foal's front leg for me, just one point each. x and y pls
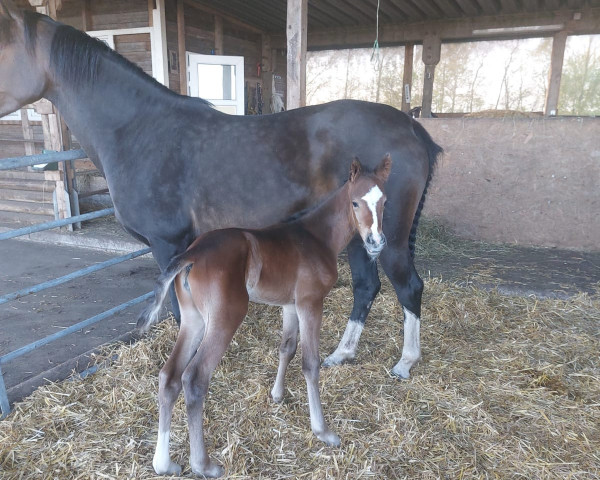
(310, 317)
(287, 350)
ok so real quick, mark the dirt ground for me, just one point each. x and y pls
(510, 269)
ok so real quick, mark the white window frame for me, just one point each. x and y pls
(192, 75)
(158, 41)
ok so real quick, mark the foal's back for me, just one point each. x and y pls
(273, 265)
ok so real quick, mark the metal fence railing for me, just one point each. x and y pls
(17, 162)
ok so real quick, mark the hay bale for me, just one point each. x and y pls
(508, 387)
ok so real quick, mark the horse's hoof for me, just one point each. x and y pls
(335, 359)
(277, 398)
(170, 469)
(329, 438)
(402, 370)
(210, 470)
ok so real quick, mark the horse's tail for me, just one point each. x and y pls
(433, 152)
(150, 314)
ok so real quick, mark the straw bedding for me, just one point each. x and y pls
(508, 387)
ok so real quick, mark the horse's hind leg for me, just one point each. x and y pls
(399, 267)
(310, 317)
(222, 322)
(365, 285)
(189, 338)
(287, 350)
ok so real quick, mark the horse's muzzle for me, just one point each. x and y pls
(374, 247)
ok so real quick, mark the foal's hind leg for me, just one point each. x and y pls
(222, 322)
(399, 267)
(365, 285)
(287, 350)
(170, 385)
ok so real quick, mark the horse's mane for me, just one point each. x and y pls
(76, 58)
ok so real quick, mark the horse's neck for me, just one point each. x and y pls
(332, 221)
(96, 112)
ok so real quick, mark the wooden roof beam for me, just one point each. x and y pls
(228, 18)
(460, 29)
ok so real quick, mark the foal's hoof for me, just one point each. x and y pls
(169, 469)
(329, 438)
(210, 470)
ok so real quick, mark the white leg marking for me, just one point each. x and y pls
(411, 351)
(162, 461)
(372, 197)
(346, 349)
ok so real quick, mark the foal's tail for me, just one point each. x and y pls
(433, 152)
(150, 314)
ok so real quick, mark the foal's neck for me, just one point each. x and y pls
(332, 221)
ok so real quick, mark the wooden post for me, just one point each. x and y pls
(266, 73)
(432, 46)
(183, 75)
(297, 11)
(86, 16)
(27, 133)
(218, 35)
(160, 66)
(407, 76)
(556, 64)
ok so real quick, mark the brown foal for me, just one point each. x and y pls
(293, 265)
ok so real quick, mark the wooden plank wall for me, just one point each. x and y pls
(136, 49)
(105, 14)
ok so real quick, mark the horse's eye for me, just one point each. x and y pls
(355, 205)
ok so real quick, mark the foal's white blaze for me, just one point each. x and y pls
(411, 350)
(371, 198)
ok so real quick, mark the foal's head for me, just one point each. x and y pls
(367, 194)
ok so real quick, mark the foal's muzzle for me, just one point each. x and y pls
(373, 246)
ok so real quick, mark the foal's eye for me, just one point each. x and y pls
(355, 205)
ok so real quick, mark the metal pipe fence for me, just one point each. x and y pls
(17, 162)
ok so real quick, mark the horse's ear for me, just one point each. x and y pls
(383, 169)
(355, 169)
(9, 10)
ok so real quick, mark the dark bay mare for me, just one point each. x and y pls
(293, 265)
(177, 168)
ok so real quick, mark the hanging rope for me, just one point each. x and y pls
(375, 58)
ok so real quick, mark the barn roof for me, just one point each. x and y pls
(334, 23)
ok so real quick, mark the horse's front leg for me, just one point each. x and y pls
(310, 315)
(170, 385)
(365, 286)
(287, 350)
(163, 252)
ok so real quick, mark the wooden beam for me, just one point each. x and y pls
(556, 63)
(266, 73)
(228, 18)
(296, 53)
(458, 29)
(86, 17)
(407, 76)
(27, 133)
(181, 51)
(432, 46)
(218, 35)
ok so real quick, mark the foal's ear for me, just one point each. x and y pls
(355, 169)
(383, 169)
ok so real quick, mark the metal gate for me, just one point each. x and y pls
(17, 162)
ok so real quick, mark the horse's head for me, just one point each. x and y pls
(368, 198)
(22, 75)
